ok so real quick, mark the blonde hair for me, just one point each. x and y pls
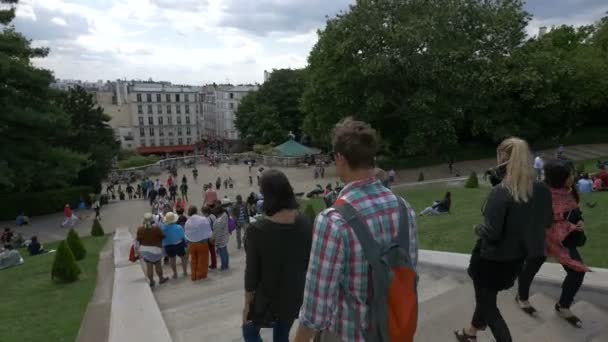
(519, 179)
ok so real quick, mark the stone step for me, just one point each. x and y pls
(589, 151)
(430, 287)
(556, 329)
(577, 155)
(602, 337)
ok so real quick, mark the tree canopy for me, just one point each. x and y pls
(269, 114)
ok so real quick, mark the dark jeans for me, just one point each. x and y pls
(213, 256)
(527, 275)
(238, 237)
(280, 332)
(572, 283)
(223, 252)
(487, 314)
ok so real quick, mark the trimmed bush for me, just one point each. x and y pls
(76, 245)
(580, 168)
(40, 203)
(472, 182)
(421, 176)
(97, 229)
(65, 268)
(310, 212)
(136, 161)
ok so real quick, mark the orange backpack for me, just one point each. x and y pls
(393, 300)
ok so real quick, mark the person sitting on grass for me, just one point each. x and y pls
(584, 185)
(35, 248)
(439, 207)
(10, 257)
(22, 220)
(597, 184)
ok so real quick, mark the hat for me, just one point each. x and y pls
(170, 217)
(148, 218)
(226, 201)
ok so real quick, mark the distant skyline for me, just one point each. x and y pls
(204, 41)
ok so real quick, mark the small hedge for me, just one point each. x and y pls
(472, 181)
(310, 212)
(136, 161)
(41, 203)
(65, 268)
(76, 245)
(97, 229)
(421, 177)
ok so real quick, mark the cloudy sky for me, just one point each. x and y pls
(201, 41)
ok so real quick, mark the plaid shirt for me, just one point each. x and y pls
(337, 264)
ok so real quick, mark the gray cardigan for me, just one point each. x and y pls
(512, 230)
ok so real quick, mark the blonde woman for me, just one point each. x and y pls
(516, 214)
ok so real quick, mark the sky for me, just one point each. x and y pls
(203, 41)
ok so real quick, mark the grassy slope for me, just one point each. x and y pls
(34, 308)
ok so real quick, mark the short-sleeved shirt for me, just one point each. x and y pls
(150, 236)
(174, 234)
(538, 163)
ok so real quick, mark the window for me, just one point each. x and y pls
(171, 142)
(142, 132)
(142, 143)
(187, 119)
(141, 120)
(187, 109)
(152, 143)
(161, 132)
(169, 120)
(168, 109)
(196, 109)
(231, 105)
(151, 131)
(161, 142)
(187, 130)
(160, 120)
(149, 109)
(180, 141)
(179, 131)
(140, 109)
(138, 97)
(187, 97)
(150, 120)
(178, 109)
(231, 95)
(158, 98)
(148, 97)
(179, 120)
(176, 97)
(159, 109)
(188, 141)
(168, 97)
(171, 133)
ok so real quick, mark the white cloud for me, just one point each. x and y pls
(59, 21)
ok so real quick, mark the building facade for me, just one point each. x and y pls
(227, 100)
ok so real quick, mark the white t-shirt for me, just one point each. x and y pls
(538, 163)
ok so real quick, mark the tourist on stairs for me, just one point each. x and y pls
(208, 213)
(198, 233)
(174, 242)
(221, 234)
(277, 251)
(150, 238)
(516, 214)
(562, 240)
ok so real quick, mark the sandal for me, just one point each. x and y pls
(566, 314)
(525, 306)
(462, 336)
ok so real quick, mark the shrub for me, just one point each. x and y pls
(76, 245)
(136, 161)
(472, 181)
(310, 212)
(580, 168)
(97, 229)
(40, 203)
(421, 176)
(65, 268)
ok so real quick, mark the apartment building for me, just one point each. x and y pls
(227, 100)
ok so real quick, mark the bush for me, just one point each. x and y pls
(263, 149)
(76, 245)
(136, 161)
(472, 182)
(421, 176)
(40, 203)
(580, 168)
(65, 268)
(310, 212)
(97, 229)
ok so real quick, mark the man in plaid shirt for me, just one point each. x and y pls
(337, 279)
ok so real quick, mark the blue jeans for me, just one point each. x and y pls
(223, 257)
(280, 332)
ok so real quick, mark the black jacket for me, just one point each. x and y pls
(511, 230)
(277, 261)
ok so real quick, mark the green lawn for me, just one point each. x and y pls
(34, 308)
(454, 232)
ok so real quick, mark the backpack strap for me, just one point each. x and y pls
(403, 236)
(371, 248)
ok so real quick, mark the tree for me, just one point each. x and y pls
(89, 133)
(31, 125)
(75, 244)
(97, 229)
(270, 113)
(65, 268)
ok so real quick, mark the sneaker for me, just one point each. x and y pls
(152, 283)
(164, 280)
(525, 306)
(566, 314)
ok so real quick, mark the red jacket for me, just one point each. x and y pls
(67, 212)
(603, 175)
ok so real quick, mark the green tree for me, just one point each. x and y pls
(89, 133)
(65, 268)
(97, 229)
(76, 245)
(472, 182)
(31, 125)
(270, 113)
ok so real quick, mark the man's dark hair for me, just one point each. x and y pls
(180, 211)
(278, 193)
(356, 141)
(192, 210)
(557, 172)
(206, 210)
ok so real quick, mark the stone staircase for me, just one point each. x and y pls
(580, 152)
(210, 310)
